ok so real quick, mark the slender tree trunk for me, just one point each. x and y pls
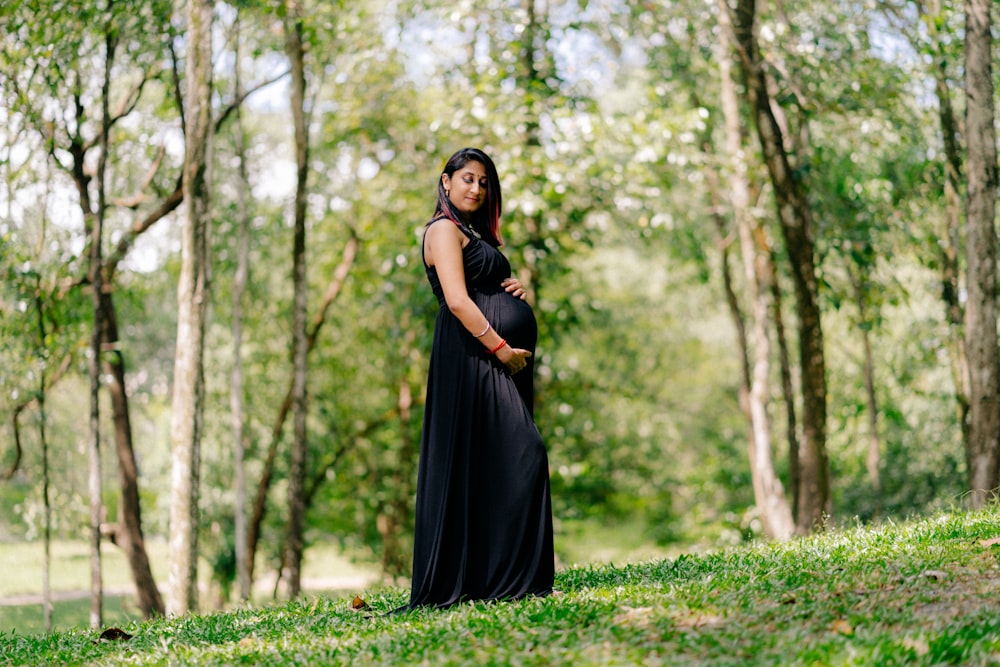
(128, 534)
(873, 457)
(531, 79)
(192, 301)
(795, 218)
(236, 379)
(297, 464)
(949, 232)
(260, 500)
(776, 516)
(949, 242)
(983, 446)
(236, 398)
(395, 511)
(97, 286)
(94, 474)
(787, 389)
(43, 440)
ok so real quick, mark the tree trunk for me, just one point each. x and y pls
(949, 232)
(532, 80)
(873, 457)
(192, 301)
(94, 471)
(769, 495)
(236, 379)
(128, 534)
(795, 218)
(97, 287)
(297, 463)
(983, 445)
(787, 389)
(950, 245)
(395, 510)
(43, 440)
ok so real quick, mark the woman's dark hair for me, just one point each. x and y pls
(487, 219)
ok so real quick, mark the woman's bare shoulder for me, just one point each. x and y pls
(444, 228)
(439, 235)
(440, 223)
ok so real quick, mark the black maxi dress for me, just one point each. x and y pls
(483, 523)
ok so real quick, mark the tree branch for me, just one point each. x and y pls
(238, 101)
(18, 450)
(18, 409)
(125, 107)
(172, 201)
(141, 197)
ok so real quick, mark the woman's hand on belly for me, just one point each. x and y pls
(513, 287)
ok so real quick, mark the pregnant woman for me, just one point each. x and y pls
(483, 524)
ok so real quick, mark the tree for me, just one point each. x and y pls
(71, 140)
(192, 303)
(776, 516)
(938, 46)
(605, 120)
(794, 216)
(43, 439)
(96, 223)
(983, 444)
(236, 388)
(295, 50)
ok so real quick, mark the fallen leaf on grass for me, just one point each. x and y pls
(634, 616)
(246, 642)
(840, 626)
(698, 621)
(990, 543)
(358, 603)
(115, 635)
(918, 645)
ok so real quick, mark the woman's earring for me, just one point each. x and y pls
(447, 193)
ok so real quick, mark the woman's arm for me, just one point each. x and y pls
(443, 250)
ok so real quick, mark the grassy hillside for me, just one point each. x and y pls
(925, 592)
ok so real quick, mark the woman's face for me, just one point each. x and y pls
(466, 188)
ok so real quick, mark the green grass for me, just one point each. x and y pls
(917, 593)
(325, 569)
(66, 614)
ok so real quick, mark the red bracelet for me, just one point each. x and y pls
(497, 348)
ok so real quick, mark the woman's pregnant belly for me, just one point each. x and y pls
(511, 317)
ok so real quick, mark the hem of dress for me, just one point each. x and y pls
(406, 608)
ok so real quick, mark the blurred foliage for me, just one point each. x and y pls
(602, 155)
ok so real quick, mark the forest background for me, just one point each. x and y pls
(742, 229)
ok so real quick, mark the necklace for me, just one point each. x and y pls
(473, 230)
